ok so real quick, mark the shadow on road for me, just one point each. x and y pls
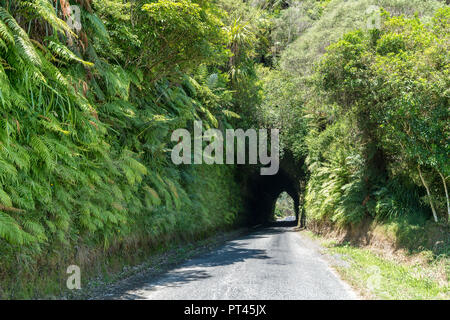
(196, 269)
(175, 278)
(283, 224)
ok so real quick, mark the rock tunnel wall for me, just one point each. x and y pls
(262, 192)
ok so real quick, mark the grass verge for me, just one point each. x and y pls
(379, 275)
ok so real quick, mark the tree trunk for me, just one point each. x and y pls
(429, 195)
(446, 194)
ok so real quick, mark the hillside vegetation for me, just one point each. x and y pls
(358, 89)
(368, 109)
(85, 129)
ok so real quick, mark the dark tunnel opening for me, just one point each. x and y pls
(264, 190)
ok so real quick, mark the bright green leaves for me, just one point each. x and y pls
(42, 153)
(133, 169)
(342, 71)
(22, 42)
(5, 199)
(166, 188)
(153, 196)
(391, 43)
(393, 85)
(441, 22)
(83, 146)
(11, 231)
(183, 34)
(41, 130)
(64, 53)
(416, 84)
(5, 33)
(43, 9)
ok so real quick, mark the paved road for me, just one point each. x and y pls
(271, 263)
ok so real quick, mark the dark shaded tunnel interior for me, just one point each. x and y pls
(264, 190)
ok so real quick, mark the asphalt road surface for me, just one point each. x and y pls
(271, 263)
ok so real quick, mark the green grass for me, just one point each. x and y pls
(381, 278)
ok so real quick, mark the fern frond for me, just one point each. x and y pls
(231, 114)
(23, 44)
(97, 26)
(6, 34)
(64, 53)
(44, 9)
(42, 152)
(11, 231)
(35, 229)
(5, 198)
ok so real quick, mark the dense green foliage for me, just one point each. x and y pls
(86, 123)
(368, 109)
(87, 115)
(390, 85)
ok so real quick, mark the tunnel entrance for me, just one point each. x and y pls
(262, 192)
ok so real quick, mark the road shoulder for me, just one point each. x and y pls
(333, 262)
(111, 286)
(376, 276)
